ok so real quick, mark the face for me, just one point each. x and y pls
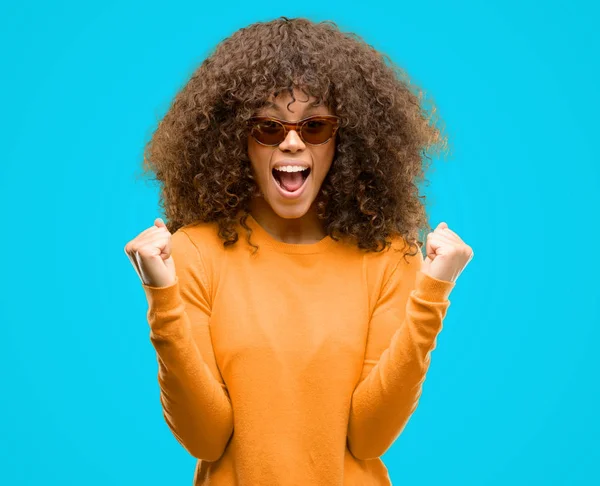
(292, 150)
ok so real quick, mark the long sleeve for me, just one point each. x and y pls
(402, 333)
(193, 395)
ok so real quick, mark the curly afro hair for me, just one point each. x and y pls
(198, 152)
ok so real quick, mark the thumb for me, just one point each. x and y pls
(166, 251)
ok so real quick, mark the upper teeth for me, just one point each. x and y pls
(290, 168)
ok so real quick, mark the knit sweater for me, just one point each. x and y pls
(298, 365)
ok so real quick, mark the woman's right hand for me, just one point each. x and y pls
(150, 255)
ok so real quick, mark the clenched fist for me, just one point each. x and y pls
(150, 255)
(447, 254)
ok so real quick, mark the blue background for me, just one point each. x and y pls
(512, 393)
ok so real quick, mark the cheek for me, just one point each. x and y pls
(323, 161)
(259, 158)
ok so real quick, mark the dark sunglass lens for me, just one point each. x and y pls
(268, 132)
(317, 131)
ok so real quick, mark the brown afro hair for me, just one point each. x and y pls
(198, 151)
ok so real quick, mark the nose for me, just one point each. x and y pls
(292, 142)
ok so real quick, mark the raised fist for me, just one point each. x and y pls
(150, 255)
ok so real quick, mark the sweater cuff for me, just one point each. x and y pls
(432, 289)
(162, 298)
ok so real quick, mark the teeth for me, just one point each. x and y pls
(291, 168)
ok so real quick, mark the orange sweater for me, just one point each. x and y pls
(299, 365)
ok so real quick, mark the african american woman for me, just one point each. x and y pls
(295, 354)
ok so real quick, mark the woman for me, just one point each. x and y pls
(294, 356)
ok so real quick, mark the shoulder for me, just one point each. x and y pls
(203, 236)
(199, 244)
(398, 255)
(398, 262)
(192, 248)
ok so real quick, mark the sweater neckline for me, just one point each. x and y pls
(264, 237)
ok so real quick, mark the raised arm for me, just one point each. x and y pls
(194, 398)
(402, 333)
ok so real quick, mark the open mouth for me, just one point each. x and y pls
(291, 182)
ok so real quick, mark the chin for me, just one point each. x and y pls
(292, 211)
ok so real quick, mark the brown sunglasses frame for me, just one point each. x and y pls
(297, 126)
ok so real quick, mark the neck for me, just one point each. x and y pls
(304, 230)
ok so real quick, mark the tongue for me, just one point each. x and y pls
(291, 181)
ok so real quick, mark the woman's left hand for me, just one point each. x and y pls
(447, 255)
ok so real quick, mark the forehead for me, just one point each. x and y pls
(291, 103)
(300, 108)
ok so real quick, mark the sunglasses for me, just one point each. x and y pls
(314, 130)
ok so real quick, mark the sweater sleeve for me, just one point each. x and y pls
(402, 333)
(193, 395)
